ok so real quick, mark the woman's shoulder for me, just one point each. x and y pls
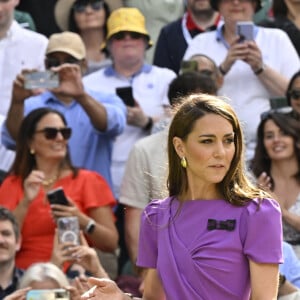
(263, 206)
(12, 180)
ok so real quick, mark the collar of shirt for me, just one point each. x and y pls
(110, 71)
(220, 36)
(17, 274)
(192, 26)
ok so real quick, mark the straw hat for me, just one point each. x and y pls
(67, 42)
(126, 19)
(62, 12)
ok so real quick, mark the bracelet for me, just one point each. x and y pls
(223, 72)
(90, 227)
(149, 124)
(259, 70)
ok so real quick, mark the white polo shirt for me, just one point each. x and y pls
(248, 95)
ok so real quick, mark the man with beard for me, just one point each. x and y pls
(10, 243)
(176, 36)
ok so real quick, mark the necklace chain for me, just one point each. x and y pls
(50, 181)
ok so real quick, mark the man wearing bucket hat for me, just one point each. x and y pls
(127, 40)
(96, 118)
(255, 68)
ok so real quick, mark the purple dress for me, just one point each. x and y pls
(200, 258)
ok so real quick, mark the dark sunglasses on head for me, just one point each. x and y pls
(294, 94)
(122, 34)
(50, 133)
(282, 110)
(54, 62)
(80, 6)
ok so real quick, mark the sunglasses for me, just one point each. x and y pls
(50, 133)
(294, 94)
(81, 6)
(282, 110)
(122, 34)
(54, 62)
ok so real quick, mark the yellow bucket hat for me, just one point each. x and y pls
(126, 19)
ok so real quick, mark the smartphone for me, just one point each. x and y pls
(68, 230)
(125, 93)
(188, 66)
(245, 30)
(41, 79)
(57, 196)
(53, 294)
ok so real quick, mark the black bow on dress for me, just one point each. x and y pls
(222, 225)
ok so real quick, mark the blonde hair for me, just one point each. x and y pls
(42, 271)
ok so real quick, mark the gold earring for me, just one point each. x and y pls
(183, 162)
(32, 152)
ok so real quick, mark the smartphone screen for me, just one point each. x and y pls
(125, 93)
(55, 294)
(57, 196)
(245, 30)
(41, 79)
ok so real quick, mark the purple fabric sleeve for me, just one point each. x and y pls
(147, 254)
(261, 231)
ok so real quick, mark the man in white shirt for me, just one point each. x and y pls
(19, 49)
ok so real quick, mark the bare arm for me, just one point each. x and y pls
(153, 286)
(273, 81)
(104, 236)
(264, 281)
(70, 85)
(132, 231)
(291, 218)
(95, 110)
(16, 110)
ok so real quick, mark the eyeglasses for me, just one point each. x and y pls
(294, 94)
(54, 62)
(282, 110)
(81, 6)
(122, 34)
(50, 133)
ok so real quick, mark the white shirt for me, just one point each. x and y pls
(246, 92)
(150, 88)
(19, 49)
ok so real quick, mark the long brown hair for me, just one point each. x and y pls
(236, 187)
(25, 162)
(261, 161)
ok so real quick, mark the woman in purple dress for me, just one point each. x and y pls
(217, 236)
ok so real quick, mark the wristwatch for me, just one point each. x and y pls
(90, 227)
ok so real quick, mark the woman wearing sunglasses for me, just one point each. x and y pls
(276, 164)
(88, 18)
(43, 163)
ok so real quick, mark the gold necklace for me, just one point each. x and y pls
(50, 181)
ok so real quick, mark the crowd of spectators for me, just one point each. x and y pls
(88, 89)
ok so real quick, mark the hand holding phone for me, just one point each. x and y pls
(57, 196)
(126, 94)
